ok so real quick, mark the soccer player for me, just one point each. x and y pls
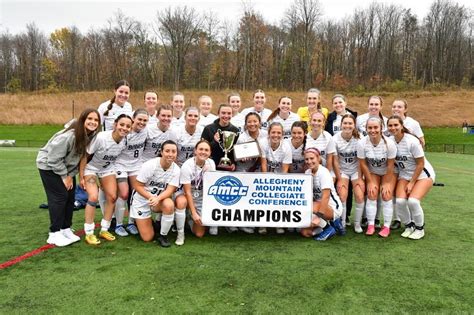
(116, 106)
(238, 120)
(313, 104)
(151, 103)
(375, 103)
(205, 107)
(104, 149)
(326, 203)
(299, 131)
(157, 134)
(415, 179)
(157, 180)
(339, 105)
(259, 100)
(284, 115)
(376, 154)
(188, 135)
(178, 104)
(322, 140)
(58, 163)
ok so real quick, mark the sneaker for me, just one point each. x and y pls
(340, 229)
(357, 228)
(395, 225)
(180, 239)
(370, 229)
(132, 229)
(262, 231)
(232, 229)
(410, 228)
(377, 224)
(280, 231)
(120, 231)
(91, 239)
(58, 239)
(106, 235)
(213, 230)
(327, 233)
(247, 230)
(384, 232)
(417, 234)
(68, 233)
(163, 241)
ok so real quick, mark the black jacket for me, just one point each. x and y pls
(208, 134)
(332, 117)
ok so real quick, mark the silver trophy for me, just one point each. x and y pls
(226, 142)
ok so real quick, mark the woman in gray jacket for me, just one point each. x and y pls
(58, 163)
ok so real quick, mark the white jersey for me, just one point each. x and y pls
(177, 122)
(276, 159)
(361, 122)
(193, 174)
(246, 166)
(323, 180)
(408, 149)
(153, 119)
(206, 120)
(238, 121)
(324, 143)
(156, 179)
(347, 154)
(287, 123)
(378, 155)
(413, 126)
(108, 121)
(105, 152)
(298, 164)
(154, 140)
(264, 114)
(186, 142)
(336, 125)
(130, 159)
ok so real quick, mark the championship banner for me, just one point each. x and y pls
(257, 199)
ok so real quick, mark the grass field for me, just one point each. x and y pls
(240, 273)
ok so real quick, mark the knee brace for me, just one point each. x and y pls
(92, 203)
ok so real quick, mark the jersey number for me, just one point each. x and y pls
(136, 153)
(106, 164)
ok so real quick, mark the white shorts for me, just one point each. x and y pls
(427, 172)
(336, 209)
(103, 174)
(126, 174)
(140, 212)
(350, 177)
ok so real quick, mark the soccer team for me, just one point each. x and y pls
(151, 161)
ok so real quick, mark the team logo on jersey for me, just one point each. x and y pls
(228, 190)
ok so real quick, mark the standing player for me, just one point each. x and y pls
(415, 179)
(252, 132)
(322, 140)
(238, 120)
(188, 135)
(157, 180)
(299, 131)
(346, 168)
(205, 107)
(151, 103)
(376, 155)
(313, 104)
(326, 203)
(118, 105)
(284, 115)
(178, 104)
(259, 100)
(104, 149)
(127, 165)
(339, 105)
(57, 163)
(375, 110)
(192, 174)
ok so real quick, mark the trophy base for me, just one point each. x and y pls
(226, 167)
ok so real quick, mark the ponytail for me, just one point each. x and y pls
(109, 107)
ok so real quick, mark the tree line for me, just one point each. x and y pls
(374, 47)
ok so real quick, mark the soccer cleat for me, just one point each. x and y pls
(262, 231)
(370, 229)
(163, 241)
(68, 233)
(213, 230)
(58, 239)
(247, 230)
(417, 234)
(91, 239)
(132, 229)
(231, 229)
(180, 239)
(106, 235)
(395, 225)
(280, 230)
(340, 229)
(120, 231)
(348, 222)
(327, 233)
(384, 232)
(408, 230)
(357, 228)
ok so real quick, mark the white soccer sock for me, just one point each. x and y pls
(396, 216)
(104, 225)
(322, 223)
(89, 228)
(417, 213)
(119, 210)
(371, 211)
(387, 212)
(344, 212)
(166, 223)
(131, 220)
(359, 209)
(180, 218)
(102, 200)
(402, 210)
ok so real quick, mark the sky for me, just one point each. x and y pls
(87, 14)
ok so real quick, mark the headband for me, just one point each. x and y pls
(312, 150)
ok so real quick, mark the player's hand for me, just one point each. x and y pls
(217, 137)
(339, 187)
(372, 189)
(386, 192)
(196, 218)
(409, 188)
(154, 201)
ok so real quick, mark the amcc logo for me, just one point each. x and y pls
(228, 190)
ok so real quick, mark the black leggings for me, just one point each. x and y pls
(60, 200)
